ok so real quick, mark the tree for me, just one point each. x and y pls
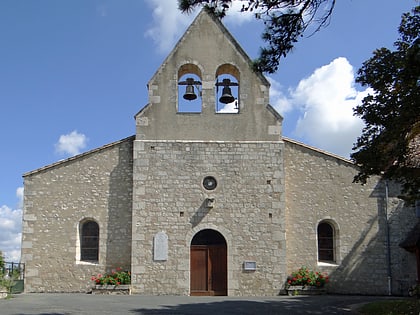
(390, 141)
(1, 262)
(285, 22)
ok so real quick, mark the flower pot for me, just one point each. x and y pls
(3, 293)
(123, 289)
(304, 290)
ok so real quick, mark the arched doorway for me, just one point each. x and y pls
(208, 264)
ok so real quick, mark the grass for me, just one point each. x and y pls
(394, 307)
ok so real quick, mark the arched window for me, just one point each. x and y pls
(89, 241)
(326, 242)
(189, 89)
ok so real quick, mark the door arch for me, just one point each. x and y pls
(208, 263)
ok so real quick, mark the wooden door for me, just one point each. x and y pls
(208, 270)
(199, 270)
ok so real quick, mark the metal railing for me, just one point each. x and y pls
(16, 273)
(15, 270)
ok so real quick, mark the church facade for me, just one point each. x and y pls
(208, 197)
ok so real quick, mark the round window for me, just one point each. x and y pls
(209, 183)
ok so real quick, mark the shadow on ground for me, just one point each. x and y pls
(296, 305)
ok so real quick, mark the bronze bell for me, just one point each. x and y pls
(189, 93)
(227, 96)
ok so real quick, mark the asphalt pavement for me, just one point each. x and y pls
(82, 304)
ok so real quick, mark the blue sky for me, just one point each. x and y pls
(73, 73)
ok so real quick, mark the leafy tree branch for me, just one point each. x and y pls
(285, 22)
(390, 141)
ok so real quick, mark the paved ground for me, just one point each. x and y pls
(83, 304)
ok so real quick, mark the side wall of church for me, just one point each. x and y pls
(96, 185)
(319, 187)
(248, 210)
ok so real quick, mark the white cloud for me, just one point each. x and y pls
(278, 99)
(168, 23)
(71, 143)
(229, 108)
(11, 230)
(19, 194)
(236, 17)
(325, 102)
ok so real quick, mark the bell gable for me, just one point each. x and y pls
(206, 89)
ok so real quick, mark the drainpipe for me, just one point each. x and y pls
(388, 242)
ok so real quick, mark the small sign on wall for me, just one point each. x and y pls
(250, 265)
(160, 247)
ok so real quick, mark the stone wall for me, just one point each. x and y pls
(248, 211)
(319, 187)
(401, 220)
(95, 185)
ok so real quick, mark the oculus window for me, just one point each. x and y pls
(209, 183)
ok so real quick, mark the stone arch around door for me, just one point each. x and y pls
(208, 263)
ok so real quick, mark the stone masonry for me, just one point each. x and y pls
(95, 185)
(319, 187)
(248, 211)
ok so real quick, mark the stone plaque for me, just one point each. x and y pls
(160, 246)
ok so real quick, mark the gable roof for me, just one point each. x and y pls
(204, 14)
(326, 153)
(79, 156)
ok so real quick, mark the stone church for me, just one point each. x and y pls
(208, 197)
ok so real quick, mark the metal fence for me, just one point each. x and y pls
(15, 271)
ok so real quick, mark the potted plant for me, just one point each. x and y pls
(115, 282)
(305, 281)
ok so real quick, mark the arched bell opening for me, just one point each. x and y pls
(189, 89)
(227, 89)
(208, 264)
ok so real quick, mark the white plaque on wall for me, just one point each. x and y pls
(250, 265)
(160, 247)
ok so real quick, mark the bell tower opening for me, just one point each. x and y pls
(227, 89)
(189, 89)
